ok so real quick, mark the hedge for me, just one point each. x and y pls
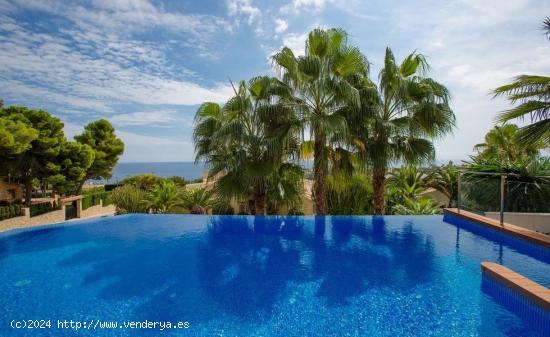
(10, 211)
(94, 199)
(37, 209)
(107, 199)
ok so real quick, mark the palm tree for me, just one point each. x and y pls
(164, 197)
(532, 92)
(501, 143)
(546, 27)
(399, 118)
(405, 182)
(197, 200)
(421, 206)
(321, 82)
(408, 179)
(527, 184)
(249, 140)
(285, 188)
(445, 180)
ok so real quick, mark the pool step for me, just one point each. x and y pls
(519, 283)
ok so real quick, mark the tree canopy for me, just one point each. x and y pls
(33, 148)
(531, 94)
(74, 160)
(398, 118)
(322, 86)
(249, 141)
(15, 136)
(39, 160)
(502, 143)
(107, 147)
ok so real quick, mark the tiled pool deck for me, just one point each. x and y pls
(516, 282)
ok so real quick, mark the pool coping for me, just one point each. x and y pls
(526, 287)
(527, 234)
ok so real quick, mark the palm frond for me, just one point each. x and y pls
(546, 27)
(535, 133)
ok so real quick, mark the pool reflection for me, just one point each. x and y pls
(245, 263)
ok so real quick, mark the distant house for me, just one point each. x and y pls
(10, 191)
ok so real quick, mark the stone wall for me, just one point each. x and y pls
(17, 222)
(52, 217)
(26, 221)
(98, 210)
(48, 218)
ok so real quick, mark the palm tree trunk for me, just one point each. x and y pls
(259, 203)
(320, 168)
(378, 182)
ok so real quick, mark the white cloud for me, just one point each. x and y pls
(296, 42)
(494, 11)
(100, 72)
(126, 16)
(297, 6)
(473, 47)
(145, 148)
(99, 61)
(280, 26)
(244, 8)
(26, 93)
(146, 118)
(138, 147)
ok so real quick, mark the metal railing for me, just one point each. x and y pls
(502, 194)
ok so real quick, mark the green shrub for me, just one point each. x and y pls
(418, 206)
(38, 209)
(106, 199)
(350, 195)
(10, 211)
(145, 181)
(222, 207)
(129, 199)
(527, 185)
(295, 211)
(90, 200)
(179, 181)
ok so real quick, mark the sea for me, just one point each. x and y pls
(186, 169)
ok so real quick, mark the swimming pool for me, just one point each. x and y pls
(263, 276)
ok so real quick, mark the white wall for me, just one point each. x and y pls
(539, 222)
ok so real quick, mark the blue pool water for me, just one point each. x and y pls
(267, 276)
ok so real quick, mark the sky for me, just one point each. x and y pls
(147, 65)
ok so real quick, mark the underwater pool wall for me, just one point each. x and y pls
(516, 231)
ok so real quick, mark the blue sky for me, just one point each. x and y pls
(146, 65)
